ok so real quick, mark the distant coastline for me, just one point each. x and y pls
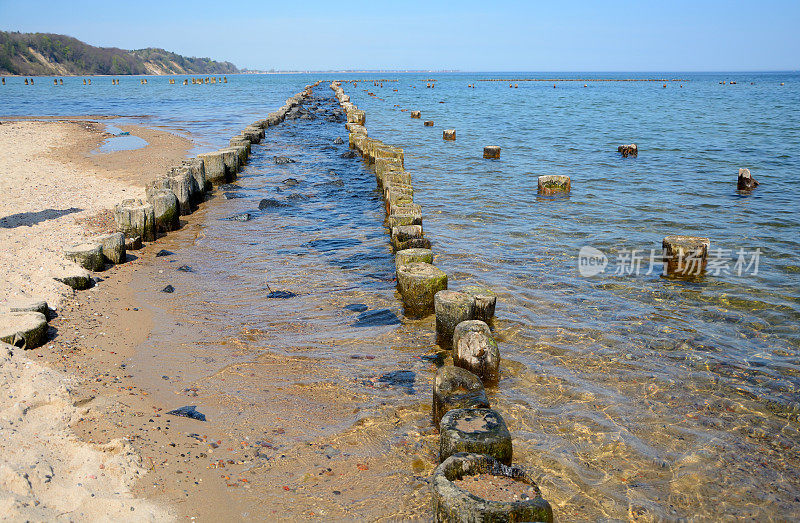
(46, 54)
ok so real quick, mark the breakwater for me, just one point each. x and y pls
(170, 195)
(474, 438)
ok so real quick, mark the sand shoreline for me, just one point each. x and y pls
(56, 192)
(213, 471)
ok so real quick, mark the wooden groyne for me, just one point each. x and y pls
(178, 192)
(474, 439)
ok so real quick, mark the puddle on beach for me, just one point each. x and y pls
(119, 141)
(618, 420)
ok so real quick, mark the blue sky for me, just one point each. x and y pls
(666, 35)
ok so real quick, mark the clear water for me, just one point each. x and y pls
(119, 141)
(631, 395)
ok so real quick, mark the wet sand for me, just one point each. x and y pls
(319, 444)
(54, 192)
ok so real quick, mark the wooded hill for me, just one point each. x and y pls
(45, 54)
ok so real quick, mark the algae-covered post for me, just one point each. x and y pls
(135, 218)
(475, 349)
(457, 388)
(685, 256)
(113, 247)
(88, 255)
(482, 431)
(454, 503)
(551, 184)
(214, 165)
(491, 152)
(451, 307)
(418, 283)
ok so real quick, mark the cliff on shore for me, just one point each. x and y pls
(45, 54)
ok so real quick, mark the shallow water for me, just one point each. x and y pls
(119, 141)
(632, 396)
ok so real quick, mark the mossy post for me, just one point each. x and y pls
(474, 349)
(26, 330)
(113, 246)
(482, 431)
(418, 283)
(231, 158)
(214, 165)
(180, 183)
(165, 209)
(457, 388)
(28, 305)
(73, 276)
(484, 302)
(491, 152)
(407, 256)
(452, 504)
(134, 218)
(552, 184)
(685, 256)
(200, 185)
(88, 255)
(395, 220)
(452, 307)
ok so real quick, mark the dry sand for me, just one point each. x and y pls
(53, 188)
(55, 191)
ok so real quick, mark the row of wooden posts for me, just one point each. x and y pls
(463, 319)
(175, 193)
(143, 81)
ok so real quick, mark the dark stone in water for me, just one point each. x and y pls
(270, 203)
(297, 196)
(229, 187)
(169, 289)
(399, 378)
(281, 160)
(164, 252)
(338, 141)
(281, 295)
(348, 154)
(189, 411)
(185, 268)
(291, 182)
(356, 307)
(376, 318)
(233, 195)
(244, 217)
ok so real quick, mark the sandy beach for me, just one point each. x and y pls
(55, 191)
(311, 461)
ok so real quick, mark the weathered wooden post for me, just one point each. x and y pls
(491, 152)
(418, 283)
(474, 349)
(551, 184)
(685, 256)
